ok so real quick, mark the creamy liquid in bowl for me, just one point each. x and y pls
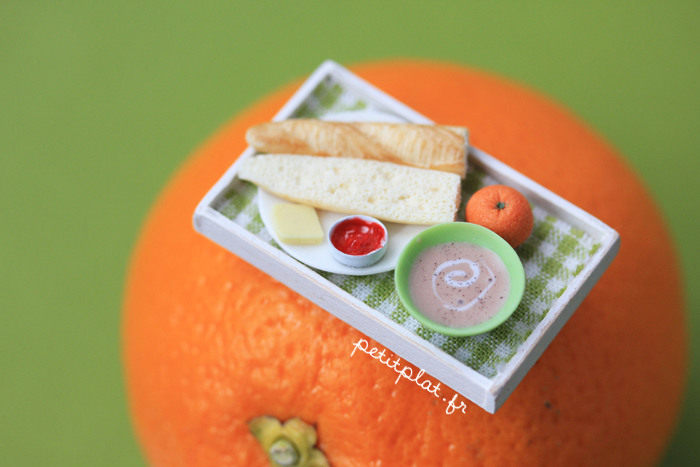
(458, 284)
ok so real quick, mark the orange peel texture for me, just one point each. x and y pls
(211, 343)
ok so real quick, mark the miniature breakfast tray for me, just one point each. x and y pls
(564, 257)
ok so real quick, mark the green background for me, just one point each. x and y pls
(100, 103)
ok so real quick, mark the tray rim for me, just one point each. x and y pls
(490, 394)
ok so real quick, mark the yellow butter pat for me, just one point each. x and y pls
(297, 224)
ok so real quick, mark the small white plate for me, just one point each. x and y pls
(319, 256)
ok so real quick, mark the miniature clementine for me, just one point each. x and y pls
(502, 209)
(211, 344)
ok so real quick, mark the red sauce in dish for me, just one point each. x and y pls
(357, 237)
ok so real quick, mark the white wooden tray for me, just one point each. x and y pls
(566, 255)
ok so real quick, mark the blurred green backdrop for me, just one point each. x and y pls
(100, 103)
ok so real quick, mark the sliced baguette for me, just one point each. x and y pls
(387, 191)
(425, 146)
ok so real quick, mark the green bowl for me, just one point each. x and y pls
(461, 232)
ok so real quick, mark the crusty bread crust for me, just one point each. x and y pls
(432, 147)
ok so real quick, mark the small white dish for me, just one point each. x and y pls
(319, 256)
(358, 261)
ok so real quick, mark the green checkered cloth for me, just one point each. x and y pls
(553, 255)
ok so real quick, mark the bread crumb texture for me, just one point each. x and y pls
(387, 191)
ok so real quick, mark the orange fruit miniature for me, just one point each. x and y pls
(212, 345)
(504, 210)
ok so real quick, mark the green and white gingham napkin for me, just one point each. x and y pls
(553, 255)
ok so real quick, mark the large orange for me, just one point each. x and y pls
(211, 342)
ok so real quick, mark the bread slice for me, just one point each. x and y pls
(387, 191)
(425, 146)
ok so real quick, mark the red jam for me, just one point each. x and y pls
(357, 237)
